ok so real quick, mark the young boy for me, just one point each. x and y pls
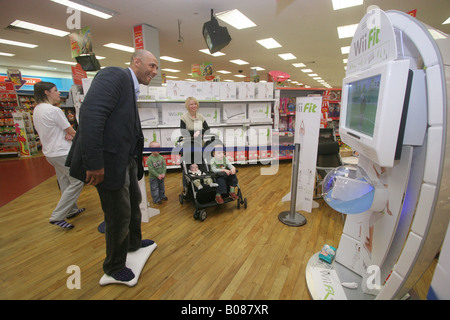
(157, 172)
(220, 163)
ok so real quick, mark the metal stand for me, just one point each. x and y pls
(293, 218)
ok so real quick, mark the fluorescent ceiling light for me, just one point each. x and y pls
(119, 47)
(224, 71)
(313, 74)
(299, 65)
(100, 57)
(62, 62)
(171, 77)
(345, 50)
(342, 4)
(236, 19)
(39, 28)
(446, 21)
(17, 43)
(239, 62)
(170, 70)
(239, 75)
(347, 31)
(170, 59)
(345, 60)
(5, 54)
(88, 8)
(258, 68)
(215, 54)
(191, 80)
(287, 56)
(269, 43)
(317, 78)
(437, 35)
(306, 70)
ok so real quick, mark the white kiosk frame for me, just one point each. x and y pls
(408, 226)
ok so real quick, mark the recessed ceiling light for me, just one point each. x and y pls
(306, 70)
(345, 50)
(170, 59)
(239, 75)
(170, 70)
(5, 54)
(269, 43)
(224, 71)
(347, 31)
(62, 62)
(88, 7)
(299, 65)
(17, 43)
(39, 28)
(239, 62)
(313, 74)
(236, 19)
(119, 47)
(345, 60)
(342, 4)
(215, 54)
(287, 56)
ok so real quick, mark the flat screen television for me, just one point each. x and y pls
(373, 111)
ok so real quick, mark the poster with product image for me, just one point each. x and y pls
(307, 125)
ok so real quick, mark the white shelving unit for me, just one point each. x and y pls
(238, 123)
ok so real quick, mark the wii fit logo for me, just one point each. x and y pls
(308, 107)
(371, 36)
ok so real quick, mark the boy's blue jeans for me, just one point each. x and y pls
(157, 189)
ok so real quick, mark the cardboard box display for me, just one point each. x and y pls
(172, 112)
(260, 112)
(235, 112)
(227, 90)
(169, 137)
(148, 116)
(151, 135)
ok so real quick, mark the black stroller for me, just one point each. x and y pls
(192, 152)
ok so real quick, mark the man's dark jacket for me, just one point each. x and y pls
(109, 130)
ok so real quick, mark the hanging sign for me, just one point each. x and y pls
(138, 37)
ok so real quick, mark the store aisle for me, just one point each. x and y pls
(17, 176)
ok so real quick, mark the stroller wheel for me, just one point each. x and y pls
(201, 215)
(181, 198)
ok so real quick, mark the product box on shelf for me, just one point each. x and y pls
(172, 113)
(212, 115)
(149, 116)
(169, 137)
(235, 112)
(150, 135)
(260, 111)
(176, 90)
(211, 90)
(227, 90)
(234, 136)
(245, 90)
(264, 90)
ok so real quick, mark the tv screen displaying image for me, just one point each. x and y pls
(362, 104)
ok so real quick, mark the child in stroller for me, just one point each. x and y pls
(206, 195)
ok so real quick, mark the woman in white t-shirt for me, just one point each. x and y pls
(56, 136)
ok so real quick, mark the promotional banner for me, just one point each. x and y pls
(307, 126)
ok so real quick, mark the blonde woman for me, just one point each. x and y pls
(193, 121)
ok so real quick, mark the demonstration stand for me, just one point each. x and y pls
(293, 218)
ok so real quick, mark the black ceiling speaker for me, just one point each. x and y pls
(88, 62)
(216, 37)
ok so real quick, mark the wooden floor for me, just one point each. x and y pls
(234, 254)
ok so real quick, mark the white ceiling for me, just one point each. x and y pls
(306, 28)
